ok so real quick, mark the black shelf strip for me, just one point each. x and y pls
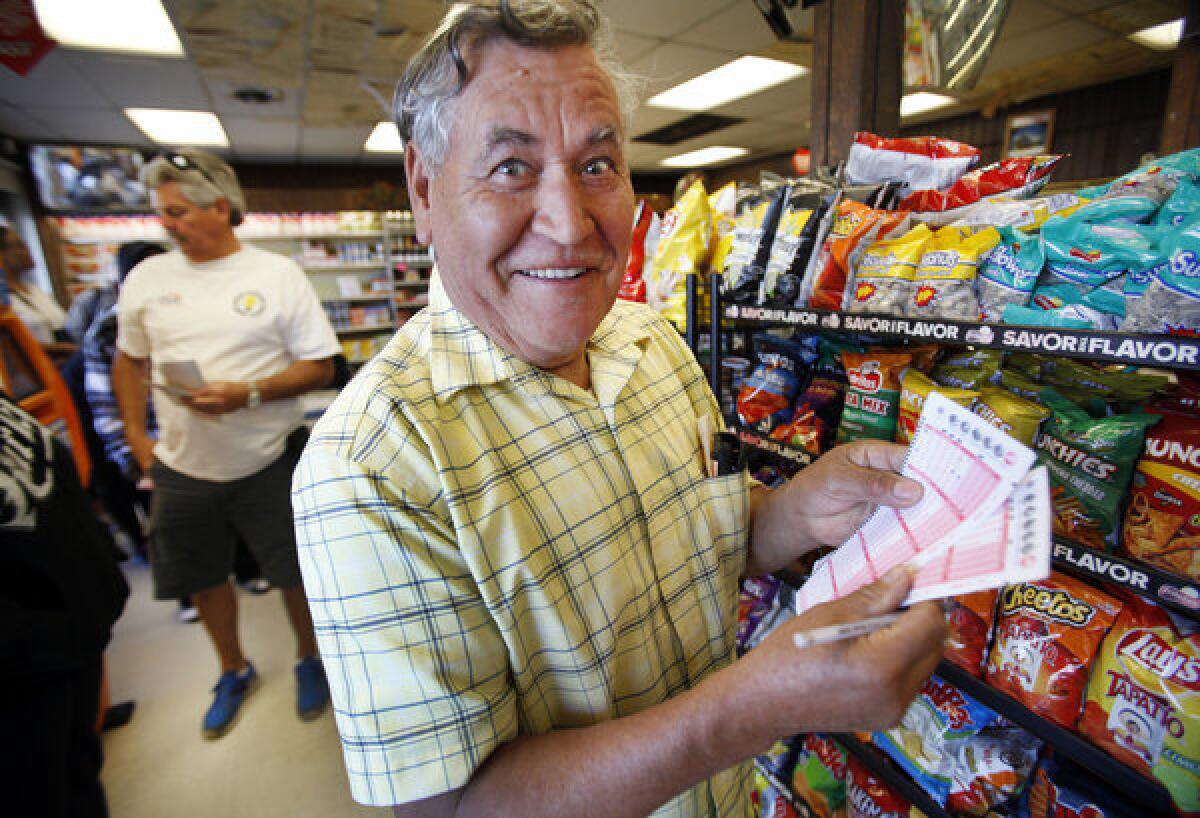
(884, 769)
(1143, 791)
(798, 803)
(763, 443)
(1177, 352)
(1177, 593)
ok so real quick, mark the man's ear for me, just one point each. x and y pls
(418, 191)
(223, 208)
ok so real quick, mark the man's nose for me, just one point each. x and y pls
(562, 208)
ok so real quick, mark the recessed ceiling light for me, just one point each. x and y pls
(1162, 37)
(124, 26)
(734, 80)
(384, 139)
(168, 127)
(704, 156)
(922, 102)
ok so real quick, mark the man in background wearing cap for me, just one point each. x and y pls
(254, 328)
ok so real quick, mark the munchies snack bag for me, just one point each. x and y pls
(1162, 525)
(1047, 633)
(1143, 703)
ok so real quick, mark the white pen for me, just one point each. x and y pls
(843, 630)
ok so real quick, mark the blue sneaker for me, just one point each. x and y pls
(230, 692)
(312, 690)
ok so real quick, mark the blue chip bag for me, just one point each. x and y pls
(765, 399)
(1170, 302)
(1182, 208)
(1010, 273)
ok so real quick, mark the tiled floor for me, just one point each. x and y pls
(270, 764)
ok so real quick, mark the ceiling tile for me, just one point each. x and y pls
(20, 124)
(632, 47)
(415, 15)
(1028, 15)
(671, 63)
(250, 136)
(1081, 6)
(661, 18)
(738, 28)
(788, 97)
(53, 81)
(1059, 38)
(145, 82)
(318, 142)
(99, 127)
(647, 119)
(220, 91)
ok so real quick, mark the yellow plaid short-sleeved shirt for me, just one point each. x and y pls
(490, 551)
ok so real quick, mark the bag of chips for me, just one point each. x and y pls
(1143, 703)
(765, 399)
(820, 776)
(1171, 301)
(918, 163)
(869, 797)
(633, 285)
(1019, 417)
(992, 769)
(770, 802)
(1062, 790)
(1182, 208)
(968, 370)
(1091, 461)
(854, 229)
(752, 237)
(1028, 214)
(945, 277)
(1162, 525)
(793, 244)
(915, 387)
(682, 251)
(873, 397)
(1010, 273)
(971, 618)
(1047, 633)
(1018, 177)
(884, 280)
(1019, 385)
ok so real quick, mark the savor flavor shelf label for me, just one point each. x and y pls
(1177, 593)
(1161, 350)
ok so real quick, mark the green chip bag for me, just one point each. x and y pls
(873, 397)
(820, 776)
(1090, 461)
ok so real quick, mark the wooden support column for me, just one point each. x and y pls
(856, 79)
(1181, 124)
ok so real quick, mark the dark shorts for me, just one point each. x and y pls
(195, 524)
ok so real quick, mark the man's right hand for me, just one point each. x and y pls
(143, 451)
(856, 684)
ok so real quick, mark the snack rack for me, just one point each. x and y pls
(1179, 594)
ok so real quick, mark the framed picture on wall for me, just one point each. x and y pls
(1028, 134)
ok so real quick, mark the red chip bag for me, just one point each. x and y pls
(1143, 703)
(971, 618)
(1047, 633)
(1019, 177)
(855, 227)
(868, 797)
(633, 286)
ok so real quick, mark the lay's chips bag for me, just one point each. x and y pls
(682, 251)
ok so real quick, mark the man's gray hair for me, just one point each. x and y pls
(202, 177)
(424, 101)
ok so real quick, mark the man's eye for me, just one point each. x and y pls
(599, 167)
(511, 168)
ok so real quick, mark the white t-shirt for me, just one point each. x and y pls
(38, 310)
(241, 318)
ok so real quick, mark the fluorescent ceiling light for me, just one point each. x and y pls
(384, 139)
(734, 80)
(1162, 37)
(125, 26)
(922, 102)
(168, 127)
(704, 156)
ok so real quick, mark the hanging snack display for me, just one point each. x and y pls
(1162, 524)
(1047, 633)
(1143, 703)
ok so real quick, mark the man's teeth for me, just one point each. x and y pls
(555, 272)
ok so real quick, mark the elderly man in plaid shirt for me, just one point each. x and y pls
(523, 580)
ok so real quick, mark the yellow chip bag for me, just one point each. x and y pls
(682, 251)
(915, 387)
(1019, 417)
(883, 281)
(944, 285)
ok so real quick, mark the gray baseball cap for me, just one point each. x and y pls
(196, 167)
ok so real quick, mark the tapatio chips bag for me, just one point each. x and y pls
(1143, 702)
(1162, 525)
(1091, 462)
(873, 398)
(884, 279)
(1047, 633)
(945, 277)
(682, 251)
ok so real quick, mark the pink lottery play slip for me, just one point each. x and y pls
(983, 521)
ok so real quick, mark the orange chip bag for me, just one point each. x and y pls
(971, 618)
(1047, 633)
(1162, 526)
(1143, 703)
(855, 227)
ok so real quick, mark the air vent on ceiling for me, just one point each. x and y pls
(689, 128)
(251, 95)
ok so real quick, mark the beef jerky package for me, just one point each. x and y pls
(945, 277)
(1047, 633)
(1162, 524)
(1009, 274)
(746, 263)
(1143, 702)
(793, 245)
(1091, 461)
(873, 398)
(884, 280)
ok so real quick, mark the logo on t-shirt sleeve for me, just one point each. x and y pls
(249, 302)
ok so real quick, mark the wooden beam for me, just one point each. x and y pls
(1181, 124)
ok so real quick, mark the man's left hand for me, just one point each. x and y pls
(218, 397)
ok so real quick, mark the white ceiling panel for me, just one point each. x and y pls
(144, 82)
(651, 119)
(1081, 6)
(670, 64)
(1059, 38)
(782, 99)
(318, 142)
(53, 81)
(738, 28)
(632, 47)
(1026, 17)
(19, 123)
(662, 18)
(102, 127)
(220, 91)
(257, 137)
